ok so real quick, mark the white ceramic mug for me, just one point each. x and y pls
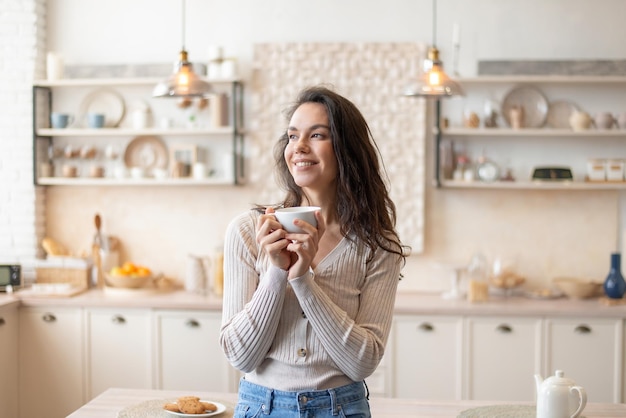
(199, 171)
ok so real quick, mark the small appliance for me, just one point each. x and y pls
(10, 275)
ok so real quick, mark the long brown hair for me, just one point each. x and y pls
(363, 204)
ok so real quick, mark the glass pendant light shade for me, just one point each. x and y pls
(434, 81)
(183, 83)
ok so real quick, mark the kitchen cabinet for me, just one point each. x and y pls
(119, 349)
(426, 353)
(8, 364)
(50, 361)
(589, 351)
(100, 155)
(189, 356)
(521, 150)
(501, 357)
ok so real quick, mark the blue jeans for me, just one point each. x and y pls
(348, 401)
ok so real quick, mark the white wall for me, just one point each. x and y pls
(123, 31)
(542, 229)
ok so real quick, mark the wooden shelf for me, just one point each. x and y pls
(63, 181)
(82, 132)
(533, 185)
(96, 82)
(541, 79)
(541, 132)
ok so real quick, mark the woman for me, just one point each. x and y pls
(306, 316)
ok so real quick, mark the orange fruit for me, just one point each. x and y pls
(128, 268)
(143, 271)
(116, 271)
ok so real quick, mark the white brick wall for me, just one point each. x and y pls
(22, 52)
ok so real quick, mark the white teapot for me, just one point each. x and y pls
(559, 397)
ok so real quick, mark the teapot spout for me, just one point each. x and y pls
(538, 382)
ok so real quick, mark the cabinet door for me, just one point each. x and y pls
(189, 354)
(589, 352)
(118, 349)
(51, 362)
(8, 361)
(427, 357)
(502, 356)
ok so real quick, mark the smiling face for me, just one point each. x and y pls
(309, 154)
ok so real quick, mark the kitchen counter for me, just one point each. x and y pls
(8, 299)
(136, 403)
(410, 303)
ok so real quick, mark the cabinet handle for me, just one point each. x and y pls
(118, 319)
(583, 329)
(48, 317)
(425, 326)
(192, 323)
(504, 329)
(2, 321)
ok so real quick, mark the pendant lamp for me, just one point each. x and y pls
(184, 82)
(434, 82)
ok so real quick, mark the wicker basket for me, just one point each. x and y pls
(78, 277)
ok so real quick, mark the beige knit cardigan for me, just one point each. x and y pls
(325, 329)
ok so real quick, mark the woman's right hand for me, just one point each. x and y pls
(271, 237)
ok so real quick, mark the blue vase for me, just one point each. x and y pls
(614, 285)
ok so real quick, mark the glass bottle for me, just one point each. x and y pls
(614, 285)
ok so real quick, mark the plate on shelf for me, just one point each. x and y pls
(559, 112)
(220, 408)
(106, 101)
(533, 102)
(147, 152)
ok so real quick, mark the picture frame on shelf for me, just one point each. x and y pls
(182, 158)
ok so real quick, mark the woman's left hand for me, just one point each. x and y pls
(305, 244)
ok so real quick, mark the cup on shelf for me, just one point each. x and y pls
(120, 172)
(69, 170)
(96, 171)
(60, 120)
(604, 120)
(199, 171)
(46, 169)
(159, 173)
(137, 172)
(95, 120)
(621, 120)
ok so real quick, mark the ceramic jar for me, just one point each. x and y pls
(580, 121)
(604, 120)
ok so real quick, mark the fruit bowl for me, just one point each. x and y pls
(578, 288)
(127, 282)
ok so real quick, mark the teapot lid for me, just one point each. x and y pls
(559, 379)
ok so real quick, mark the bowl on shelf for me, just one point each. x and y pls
(127, 282)
(578, 288)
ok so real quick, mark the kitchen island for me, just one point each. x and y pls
(134, 403)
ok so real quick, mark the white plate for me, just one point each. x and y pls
(533, 102)
(220, 408)
(147, 152)
(106, 101)
(558, 114)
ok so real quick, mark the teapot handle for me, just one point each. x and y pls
(583, 399)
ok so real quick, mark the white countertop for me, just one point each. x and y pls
(114, 400)
(408, 303)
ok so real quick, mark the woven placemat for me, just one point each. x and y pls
(154, 409)
(501, 411)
